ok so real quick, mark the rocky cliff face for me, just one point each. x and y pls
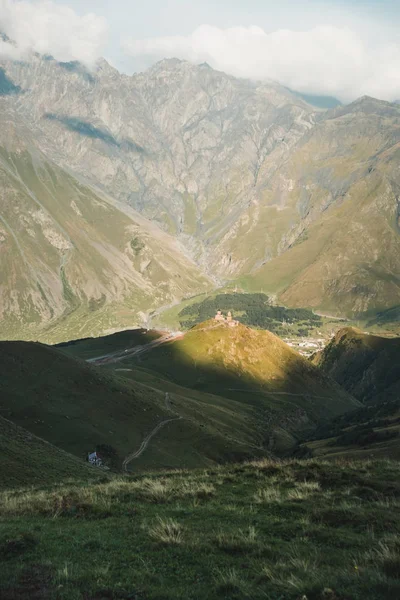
(251, 179)
(73, 264)
(182, 144)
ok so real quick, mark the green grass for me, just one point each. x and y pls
(365, 365)
(289, 530)
(250, 366)
(77, 407)
(28, 460)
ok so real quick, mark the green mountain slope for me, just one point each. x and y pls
(341, 252)
(254, 368)
(90, 348)
(372, 431)
(367, 366)
(28, 460)
(78, 407)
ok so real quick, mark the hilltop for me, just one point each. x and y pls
(79, 407)
(216, 394)
(254, 368)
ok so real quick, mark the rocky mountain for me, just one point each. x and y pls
(72, 262)
(341, 251)
(183, 144)
(254, 182)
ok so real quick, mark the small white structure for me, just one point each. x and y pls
(94, 459)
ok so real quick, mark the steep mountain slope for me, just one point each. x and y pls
(183, 144)
(251, 178)
(28, 460)
(78, 407)
(255, 368)
(367, 366)
(73, 263)
(342, 251)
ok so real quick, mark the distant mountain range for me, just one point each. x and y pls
(121, 194)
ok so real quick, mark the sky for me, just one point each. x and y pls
(341, 48)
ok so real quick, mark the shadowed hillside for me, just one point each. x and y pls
(367, 366)
(28, 460)
(79, 407)
(88, 348)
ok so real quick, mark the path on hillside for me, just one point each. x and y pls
(128, 459)
(114, 357)
(120, 355)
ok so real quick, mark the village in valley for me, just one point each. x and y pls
(307, 346)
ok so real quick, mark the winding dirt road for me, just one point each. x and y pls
(128, 459)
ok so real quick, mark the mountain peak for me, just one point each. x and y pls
(103, 67)
(167, 64)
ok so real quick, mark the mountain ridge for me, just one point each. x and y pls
(248, 177)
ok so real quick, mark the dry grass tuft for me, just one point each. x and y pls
(167, 531)
(239, 541)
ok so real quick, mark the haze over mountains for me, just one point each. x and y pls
(254, 184)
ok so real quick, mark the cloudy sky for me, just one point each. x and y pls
(344, 48)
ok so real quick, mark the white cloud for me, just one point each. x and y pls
(49, 28)
(326, 60)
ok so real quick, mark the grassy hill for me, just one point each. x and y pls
(311, 529)
(88, 348)
(369, 432)
(252, 367)
(28, 460)
(78, 407)
(367, 366)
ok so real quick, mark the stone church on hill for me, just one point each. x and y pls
(229, 320)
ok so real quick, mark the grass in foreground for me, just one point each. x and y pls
(263, 530)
